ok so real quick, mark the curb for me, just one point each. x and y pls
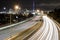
(9, 26)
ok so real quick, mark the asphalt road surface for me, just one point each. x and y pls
(7, 33)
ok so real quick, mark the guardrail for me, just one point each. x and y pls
(12, 25)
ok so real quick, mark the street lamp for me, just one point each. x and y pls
(10, 12)
(38, 10)
(16, 7)
(4, 8)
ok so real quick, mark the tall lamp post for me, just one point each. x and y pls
(17, 8)
(10, 12)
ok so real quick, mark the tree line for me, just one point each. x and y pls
(55, 14)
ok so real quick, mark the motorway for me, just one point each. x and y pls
(48, 31)
(7, 33)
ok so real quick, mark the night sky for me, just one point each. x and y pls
(40, 4)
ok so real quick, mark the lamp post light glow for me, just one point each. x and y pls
(38, 11)
(16, 7)
(4, 8)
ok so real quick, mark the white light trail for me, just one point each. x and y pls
(48, 31)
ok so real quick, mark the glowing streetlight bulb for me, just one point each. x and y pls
(4, 8)
(16, 7)
(38, 11)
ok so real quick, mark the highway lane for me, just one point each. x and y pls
(16, 29)
(48, 31)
